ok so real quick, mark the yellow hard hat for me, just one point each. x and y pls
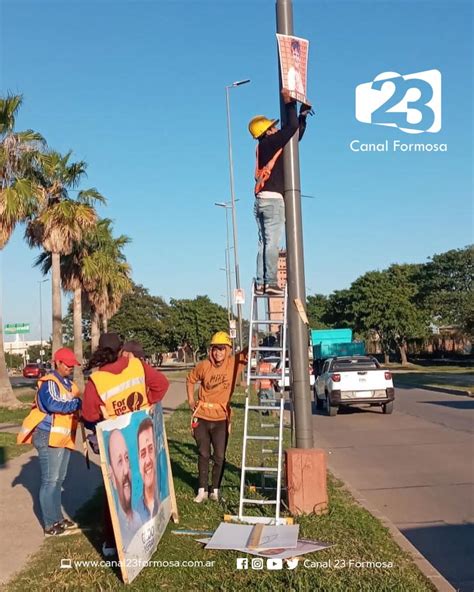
(259, 124)
(221, 338)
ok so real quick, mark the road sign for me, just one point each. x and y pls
(16, 328)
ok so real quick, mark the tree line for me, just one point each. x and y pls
(160, 326)
(43, 190)
(403, 303)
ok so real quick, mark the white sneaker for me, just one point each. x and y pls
(108, 551)
(214, 495)
(201, 496)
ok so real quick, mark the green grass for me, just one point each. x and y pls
(430, 369)
(16, 416)
(355, 534)
(461, 379)
(9, 448)
(173, 374)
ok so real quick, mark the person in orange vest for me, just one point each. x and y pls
(269, 187)
(119, 384)
(51, 427)
(265, 386)
(210, 420)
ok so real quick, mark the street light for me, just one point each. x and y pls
(227, 282)
(232, 196)
(40, 282)
(227, 206)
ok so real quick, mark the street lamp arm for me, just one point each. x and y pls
(240, 82)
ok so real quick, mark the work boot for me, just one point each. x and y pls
(274, 291)
(201, 496)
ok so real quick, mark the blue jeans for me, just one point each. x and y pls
(53, 466)
(266, 396)
(270, 216)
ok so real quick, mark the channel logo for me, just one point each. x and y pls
(410, 102)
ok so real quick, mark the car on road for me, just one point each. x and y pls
(284, 382)
(33, 371)
(353, 380)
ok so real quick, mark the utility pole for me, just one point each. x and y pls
(233, 200)
(297, 330)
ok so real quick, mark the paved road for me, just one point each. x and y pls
(416, 466)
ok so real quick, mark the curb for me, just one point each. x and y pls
(428, 570)
(437, 389)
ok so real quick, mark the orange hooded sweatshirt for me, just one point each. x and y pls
(217, 384)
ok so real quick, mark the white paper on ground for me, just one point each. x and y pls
(303, 546)
(236, 536)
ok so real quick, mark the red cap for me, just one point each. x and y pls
(65, 355)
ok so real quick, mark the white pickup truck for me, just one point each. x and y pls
(353, 381)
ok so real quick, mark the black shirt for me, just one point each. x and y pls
(268, 145)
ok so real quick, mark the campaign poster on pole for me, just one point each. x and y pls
(293, 52)
(137, 477)
(239, 296)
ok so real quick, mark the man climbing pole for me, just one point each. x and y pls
(269, 187)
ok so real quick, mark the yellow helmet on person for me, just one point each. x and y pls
(221, 338)
(259, 124)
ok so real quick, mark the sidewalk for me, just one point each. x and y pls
(21, 532)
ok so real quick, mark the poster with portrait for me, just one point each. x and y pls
(293, 52)
(137, 477)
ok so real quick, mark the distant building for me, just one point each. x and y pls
(277, 305)
(18, 346)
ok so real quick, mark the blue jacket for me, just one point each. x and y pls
(50, 401)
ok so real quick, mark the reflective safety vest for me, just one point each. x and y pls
(265, 368)
(122, 393)
(63, 426)
(262, 175)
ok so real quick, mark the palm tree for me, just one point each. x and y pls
(62, 221)
(72, 275)
(106, 276)
(20, 153)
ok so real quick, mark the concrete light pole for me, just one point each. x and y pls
(297, 330)
(230, 304)
(227, 206)
(232, 196)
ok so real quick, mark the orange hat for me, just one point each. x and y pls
(65, 355)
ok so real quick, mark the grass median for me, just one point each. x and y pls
(440, 378)
(359, 541)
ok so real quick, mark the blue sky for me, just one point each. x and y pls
(137, 90)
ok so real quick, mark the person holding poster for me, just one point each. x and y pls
(211, 414)
(269, 187)
(118, 385)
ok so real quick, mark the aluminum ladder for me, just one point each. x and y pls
(267, 472)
